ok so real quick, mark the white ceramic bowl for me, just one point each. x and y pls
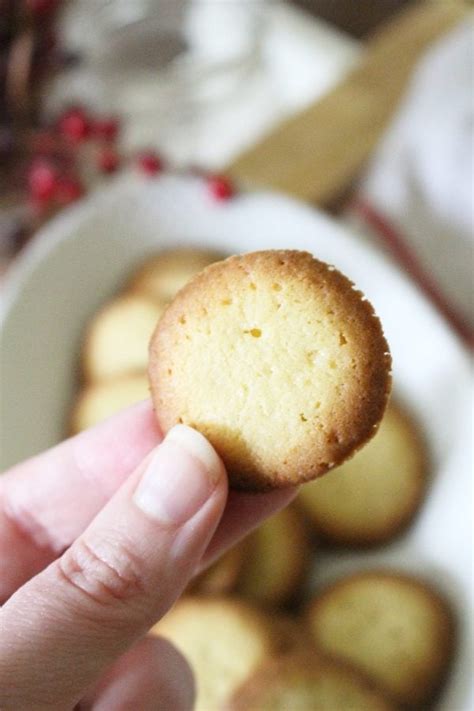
(83, 256)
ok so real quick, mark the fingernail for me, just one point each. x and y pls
(181, 476)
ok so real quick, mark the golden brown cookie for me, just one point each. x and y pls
(224, 641)
(393, 627)
(278, 360)
(222, 575)
(373, 496)
(307, 683)
(117, 339)
(101, 400)
(276, 560)
(162, 276)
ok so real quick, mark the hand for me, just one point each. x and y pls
(98, 538)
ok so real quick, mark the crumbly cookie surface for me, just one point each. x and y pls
(278, 360)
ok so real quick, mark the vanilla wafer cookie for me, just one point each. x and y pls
(393, 627)
(116, 341)
(98, 401)
(307, 682)
(162, 276)
(278, 360)
(372, 497)
(224, 640)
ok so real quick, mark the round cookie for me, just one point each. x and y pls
(117, 339)
(276, 560)
(278, 360)
(101, 400)
(222, 575)
(394, 628)
(224, 641)
(373, 496)
(162, 276)
(307, 683)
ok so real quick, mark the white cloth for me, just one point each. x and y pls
(421, 178)
(298, 59)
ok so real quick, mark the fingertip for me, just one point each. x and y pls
(199, 447)
(181, 476)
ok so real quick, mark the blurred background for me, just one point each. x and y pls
(354, 107)
(364, 112)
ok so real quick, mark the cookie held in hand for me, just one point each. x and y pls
(278, 360)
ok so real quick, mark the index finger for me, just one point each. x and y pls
(47, 501)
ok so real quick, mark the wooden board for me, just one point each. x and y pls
(316, 154)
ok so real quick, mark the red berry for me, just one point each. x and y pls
(106, 128)
(150, 163)
(68, 190)
(108, 161)
(42, 180)
(220, 187)
(74, 125)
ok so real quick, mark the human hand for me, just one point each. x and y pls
(98, 537)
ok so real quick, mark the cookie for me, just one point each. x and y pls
(222, 576)
(375, 495)
(276, 560)
(101, 400)
(391, 626)
(278, 360)
(162, 276)
(117, 340)
(224, 641)
(307, 683)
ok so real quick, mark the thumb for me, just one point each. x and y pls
(66, 625)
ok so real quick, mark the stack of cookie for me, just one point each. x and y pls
(115, 350)
(260, 639)
(294, 380)
(373, 640)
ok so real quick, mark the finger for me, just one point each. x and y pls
(37, 522)
(244, 512)
(47, 501)
(152, 675)
(69, 623)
